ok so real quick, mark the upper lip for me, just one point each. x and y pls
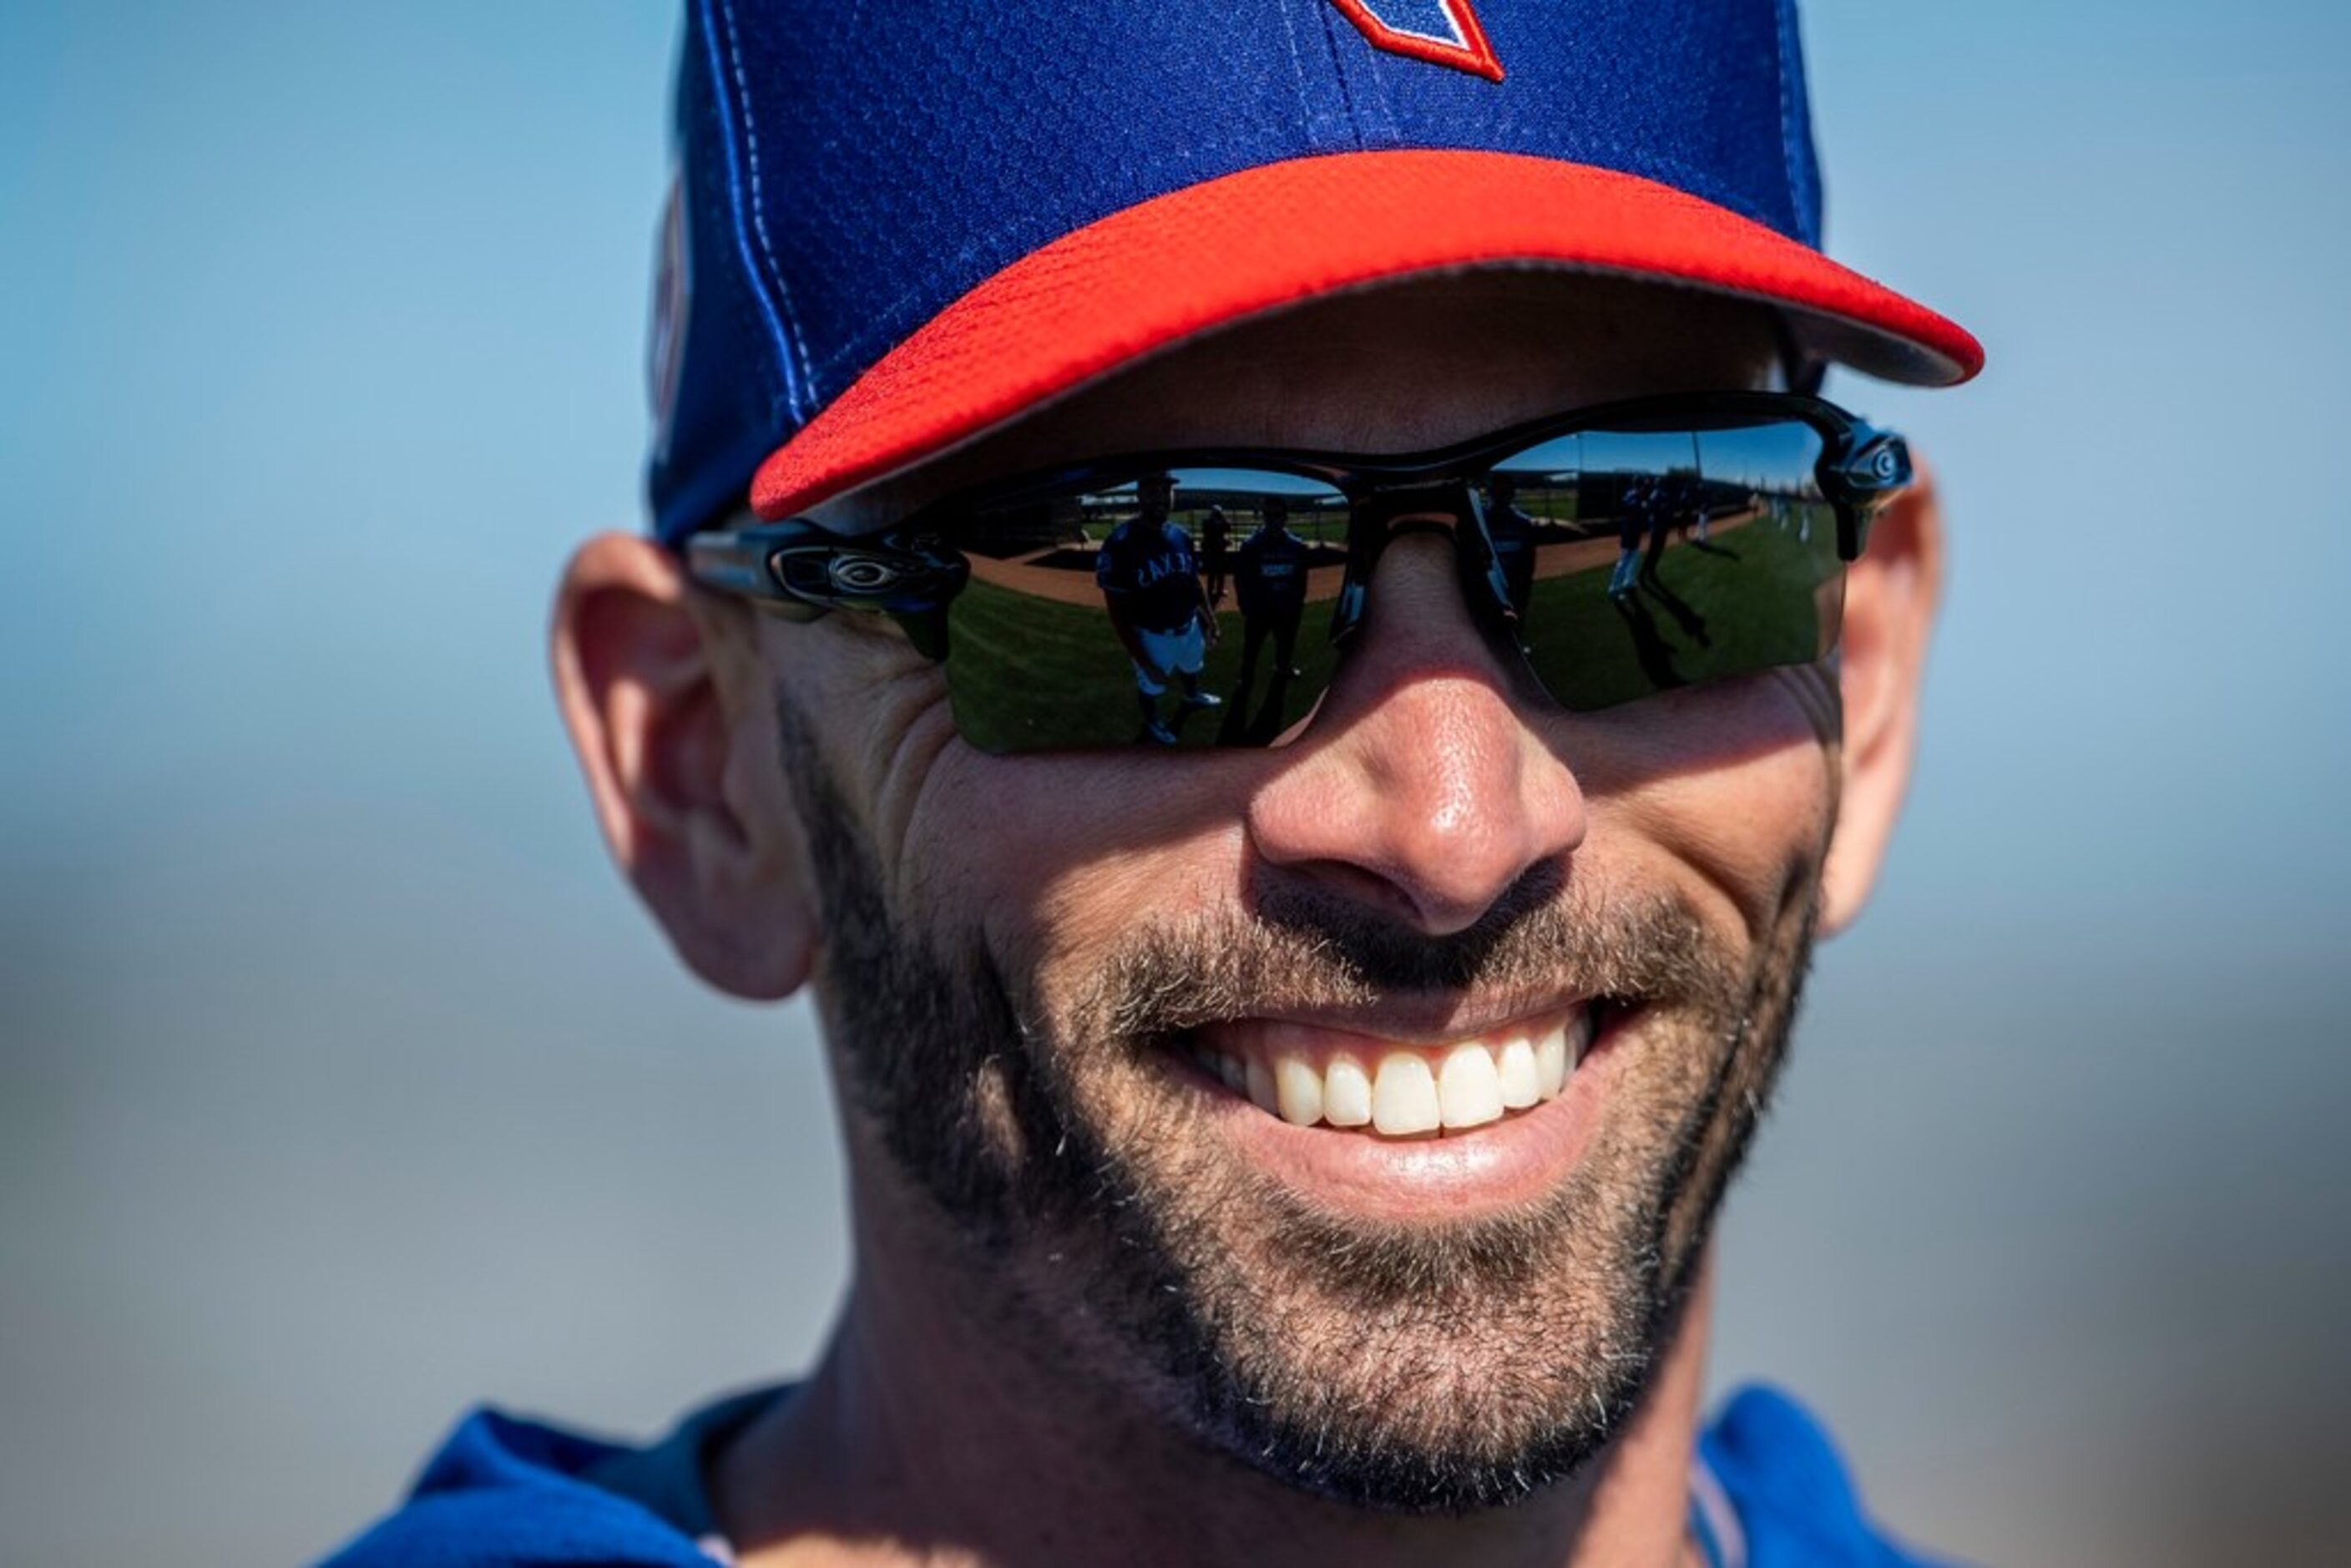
(1426, 1019)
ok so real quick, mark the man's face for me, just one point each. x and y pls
(1158, 497)
(1036, 969)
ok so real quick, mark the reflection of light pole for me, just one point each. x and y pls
(1697, 484)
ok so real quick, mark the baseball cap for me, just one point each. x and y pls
(897, 226)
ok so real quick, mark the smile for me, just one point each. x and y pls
(1312, 1076)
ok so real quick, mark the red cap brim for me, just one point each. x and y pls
(1099, 297)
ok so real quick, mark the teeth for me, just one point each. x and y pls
(1404, 1096)
(1260, 1088)
(1469, 1089)
(1521, 1083)
(1346, 1093)
(1298, 1091)
(1411, 1092)
(1551, 1063)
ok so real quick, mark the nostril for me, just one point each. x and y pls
(1419, 791)
(1430, 805)
(1452, 879)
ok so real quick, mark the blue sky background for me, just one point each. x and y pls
(341, 1084)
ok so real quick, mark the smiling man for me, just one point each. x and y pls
(1295, 1135)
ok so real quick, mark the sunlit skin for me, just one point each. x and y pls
(946, 1421)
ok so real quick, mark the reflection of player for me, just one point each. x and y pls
(1270, 581)
(1632, 522)
(1214, 532)
(1513, 533)
(1150, 582)
(1667, 502)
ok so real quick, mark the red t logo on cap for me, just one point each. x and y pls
(1442, 32)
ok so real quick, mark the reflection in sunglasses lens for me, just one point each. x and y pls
(1166, 608)
(1193, 606)
(1640, 561)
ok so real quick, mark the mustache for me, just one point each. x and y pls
(1299, 949)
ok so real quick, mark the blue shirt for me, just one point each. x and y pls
(1270, 572)
(1767, 1490)
(1154, 571)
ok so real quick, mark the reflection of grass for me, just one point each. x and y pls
(1701, 615)
(1032, 672)
(1009, 650)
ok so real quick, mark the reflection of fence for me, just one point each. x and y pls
(1316, 521)
(1066, 574)
(1024, 529)
(1080, 521)
(1596, 504)
(1061, 535)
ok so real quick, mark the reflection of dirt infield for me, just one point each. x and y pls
(1063, 585)
(1070, 579)
(1576, 555)
(1075, 584)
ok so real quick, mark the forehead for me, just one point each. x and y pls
(1401, 368)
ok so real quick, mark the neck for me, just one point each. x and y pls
(924, 1435)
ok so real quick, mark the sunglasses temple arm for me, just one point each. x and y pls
(736, 560)
(1872, 468)
(801, 571)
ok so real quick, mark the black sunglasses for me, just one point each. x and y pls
(1616, 552)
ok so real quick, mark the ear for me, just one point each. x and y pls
(673, 736)
(1889, 611)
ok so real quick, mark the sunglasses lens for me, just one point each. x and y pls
(1189, 608)
(1193, 608)
(1642, 559)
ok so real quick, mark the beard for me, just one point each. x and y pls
(1443, 1366)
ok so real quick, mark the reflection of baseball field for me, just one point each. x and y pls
(1699, 613)
(1076, 585)
(1026, 644)
(1695, 615)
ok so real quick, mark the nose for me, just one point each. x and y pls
(1418, 788)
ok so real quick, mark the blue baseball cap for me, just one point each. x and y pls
(897, 226)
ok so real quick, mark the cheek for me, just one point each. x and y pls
(1729, 793)
(1050, 861)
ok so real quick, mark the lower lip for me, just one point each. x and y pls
(1482, 1171)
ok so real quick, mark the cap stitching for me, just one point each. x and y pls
(806, 379)
(727, 200)
(1339, 73)
(1296, 67)
(1784, 18)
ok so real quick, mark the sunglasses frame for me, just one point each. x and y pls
(800, 570)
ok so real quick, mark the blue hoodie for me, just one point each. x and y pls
(1767, 1490)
